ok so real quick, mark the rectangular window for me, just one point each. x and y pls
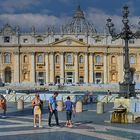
(6, 39)
(81, 39)
(56, 39)
(25, 40)
(39, 40)
(131, 41)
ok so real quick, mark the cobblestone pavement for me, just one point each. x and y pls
(18, 125)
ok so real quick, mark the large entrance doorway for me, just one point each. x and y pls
(41, 78)
(69, 77)
(57, 79)
(98, 78)
(8, 75)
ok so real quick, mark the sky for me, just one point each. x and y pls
(43, 13)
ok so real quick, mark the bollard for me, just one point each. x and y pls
(100, 108)
(20, 104)
(79, 106)
(59, 106)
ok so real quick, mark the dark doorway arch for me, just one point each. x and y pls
(57, 79)
(8, 75)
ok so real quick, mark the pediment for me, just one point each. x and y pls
(68, 42)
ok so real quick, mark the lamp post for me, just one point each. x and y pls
(127, 87)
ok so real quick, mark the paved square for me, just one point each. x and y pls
(18, 125)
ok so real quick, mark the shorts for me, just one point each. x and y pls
(37, 110)
(68, 114)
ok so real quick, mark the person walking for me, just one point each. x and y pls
(3, 105)
(36, 103)
(53, 109)
(69, 106)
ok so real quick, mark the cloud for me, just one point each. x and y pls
(99, 17)
(41, 21)
(13, 5)
(26, 21)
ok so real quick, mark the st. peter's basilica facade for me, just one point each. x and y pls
(75, 54)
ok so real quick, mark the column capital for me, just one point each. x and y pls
(61, 53)
(32, 53)
(76, 53)
(16, 53)
(46, 53)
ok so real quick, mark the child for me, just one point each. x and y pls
(68, 106)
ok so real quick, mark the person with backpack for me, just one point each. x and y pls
(53, 109)
(69, 109)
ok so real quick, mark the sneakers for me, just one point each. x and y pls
(35, 126)
(49, 125)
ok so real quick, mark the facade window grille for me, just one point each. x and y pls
(40, 59)
(69, 59)
(98, 59)
(132, 60)
(7, 58)
(57, 59)
(81, 59)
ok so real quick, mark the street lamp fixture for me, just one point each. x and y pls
(127, 87)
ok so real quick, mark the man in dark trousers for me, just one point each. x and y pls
(53, 109)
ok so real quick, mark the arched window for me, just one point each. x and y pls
(7, 58)
(25, 59)
(57, 59)
(113, 59)
(81, 59)
(132, 60)
(98, 59)
(69, 58)
(40, 59)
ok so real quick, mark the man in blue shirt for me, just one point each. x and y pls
(53, 109)
(69, 106)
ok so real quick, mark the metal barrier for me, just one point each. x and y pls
(61, 97)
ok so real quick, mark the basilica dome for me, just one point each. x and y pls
(78, 24)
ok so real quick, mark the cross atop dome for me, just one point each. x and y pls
(79, 13)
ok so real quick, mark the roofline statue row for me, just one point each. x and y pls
(77, 25)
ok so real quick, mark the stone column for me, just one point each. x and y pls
(76, 67)
(86, 68)
(91, 68)
(16, 67)
(62, 68)
(47, 67)
(32, 70)
(51, 67)
(105, 69)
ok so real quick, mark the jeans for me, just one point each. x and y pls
(56, 116)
